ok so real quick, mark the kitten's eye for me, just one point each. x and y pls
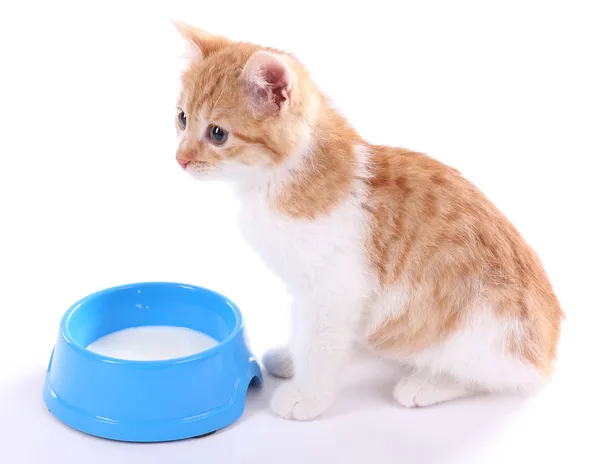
(217, 135)
(181, 120)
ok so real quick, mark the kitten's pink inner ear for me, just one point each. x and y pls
(268, 82)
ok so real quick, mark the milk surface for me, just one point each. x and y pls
(152, 343)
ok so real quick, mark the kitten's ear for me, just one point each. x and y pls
(267, 82)
(201, 43)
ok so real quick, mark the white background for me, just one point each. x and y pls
(91, 196)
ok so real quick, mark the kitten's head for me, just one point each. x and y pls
(242, 107)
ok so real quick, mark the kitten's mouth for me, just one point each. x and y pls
(192, 164)
(199, 166)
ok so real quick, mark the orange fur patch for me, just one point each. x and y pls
(324, 179)
(445, 241)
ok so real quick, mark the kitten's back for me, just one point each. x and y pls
(442, 241)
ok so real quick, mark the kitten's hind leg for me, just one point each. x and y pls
(279, 362)
(418, 390)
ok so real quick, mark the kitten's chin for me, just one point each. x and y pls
(203, 173)
(227, 172)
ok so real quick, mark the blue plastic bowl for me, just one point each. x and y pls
(150, 401)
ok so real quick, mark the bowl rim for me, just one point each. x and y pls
(68, 338)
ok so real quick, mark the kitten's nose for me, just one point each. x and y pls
(185, 154)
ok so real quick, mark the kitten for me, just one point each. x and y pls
(381, 247)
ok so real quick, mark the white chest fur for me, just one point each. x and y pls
(302, 251)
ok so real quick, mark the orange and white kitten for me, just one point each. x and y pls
(380, 247)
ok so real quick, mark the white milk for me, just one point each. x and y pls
(152, 343)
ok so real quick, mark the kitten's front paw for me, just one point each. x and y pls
(279, 362)
(290, 402)
(415, 392)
